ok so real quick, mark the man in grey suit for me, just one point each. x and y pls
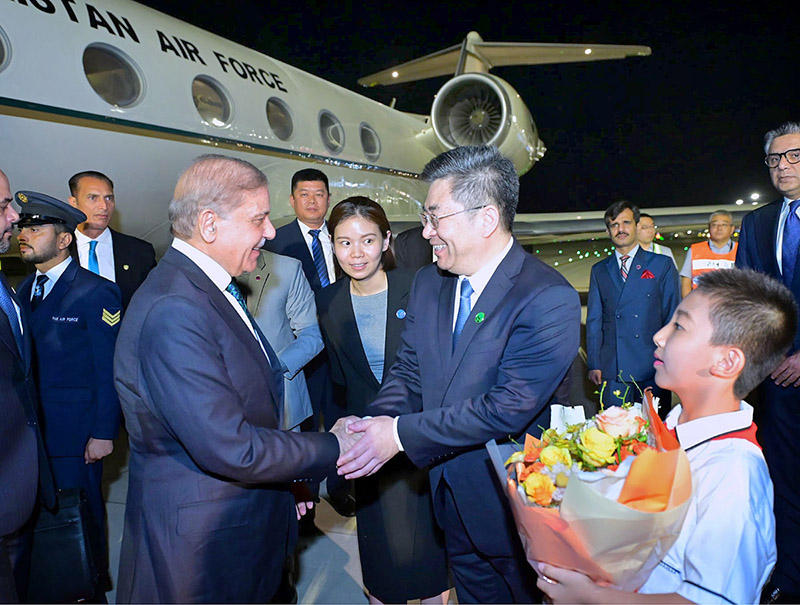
(279, 297)
(210, 516)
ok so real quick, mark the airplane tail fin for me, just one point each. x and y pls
(474, 55)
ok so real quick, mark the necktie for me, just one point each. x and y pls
(319, 258)
(7, 306)
(94, 266)
(623, 270)
(464, 308)
(38, 292)
(791, 240)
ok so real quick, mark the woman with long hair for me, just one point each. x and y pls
(362, 315)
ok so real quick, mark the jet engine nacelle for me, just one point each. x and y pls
(482, 109)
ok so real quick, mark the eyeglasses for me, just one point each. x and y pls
(773, 159)
(712, 225)
(433, 220)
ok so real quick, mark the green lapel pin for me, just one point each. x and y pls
(479, 318)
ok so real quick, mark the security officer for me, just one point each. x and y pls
(75, 317)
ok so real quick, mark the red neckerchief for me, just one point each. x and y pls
(748, 434)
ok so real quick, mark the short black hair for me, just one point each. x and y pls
(478, 175)
(614, 210)
(754, 312)
(309, 174)
(75, 180)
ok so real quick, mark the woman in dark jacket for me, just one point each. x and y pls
(361, 315)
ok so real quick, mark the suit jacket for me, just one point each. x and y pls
(74, 330)
(349, 365)
(208, 518)
(623, 316)
(279, 297)
(412, 250)
(757, 240)
(289, 241)
(18, 426)
(517, 345)
(133, 260)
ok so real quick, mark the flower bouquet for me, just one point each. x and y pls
(606, 497)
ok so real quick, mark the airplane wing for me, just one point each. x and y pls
(475, 52)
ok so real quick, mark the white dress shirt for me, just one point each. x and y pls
(781, 224)
(104, 251)
(631, 253)
(325, 241)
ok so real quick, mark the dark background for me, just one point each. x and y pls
(681, 127)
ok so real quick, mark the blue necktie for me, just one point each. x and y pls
(7, 305)
(791, 240)
(464, 308)
(94, 266)
(38, 292)
(319, 258)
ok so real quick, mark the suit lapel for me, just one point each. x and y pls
(342, 308)
(256, 282)
(637, 267)
(51, 302)
(397, 299)
(767, 237)
(6, 335)
(612, 267)
(444, 319)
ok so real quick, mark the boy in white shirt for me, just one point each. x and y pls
(724, 338)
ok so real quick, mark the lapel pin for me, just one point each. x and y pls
(258, 278)
(479, 318)
(126, 267)
(638, 267)
(401, 314)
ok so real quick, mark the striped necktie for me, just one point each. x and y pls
(791, 241)
(94, 266)
(319, 258)
(8, 309)
(623, 270)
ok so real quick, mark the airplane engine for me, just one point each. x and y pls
(482, 109)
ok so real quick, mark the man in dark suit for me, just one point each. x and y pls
(210, 516)
(768, 242)
(307, 239)
(632, 294)
(489, 335)
(412, 250)
(124, 259)
(23, 459)
(74, 320)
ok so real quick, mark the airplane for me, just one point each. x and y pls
(115, 86)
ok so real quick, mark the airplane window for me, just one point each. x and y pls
(280, 119)
(112, 75)
(5, 55)
(211, 101)
(331, 131)
(370, 142)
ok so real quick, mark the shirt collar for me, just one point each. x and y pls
(304, 229)
(55, 272)
(215, 272)
(702, 429)
(82, 239)
(481, 277)
(724, 250)
(632, 252)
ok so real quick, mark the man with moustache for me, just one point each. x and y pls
(74, 320)
(210, 515)
(123, 259)
(769, 242)
(632, 294)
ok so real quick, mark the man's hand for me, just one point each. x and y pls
(344, 435)
(596, 376)
(376, 447)
(788, 373)
(97, 449)
(302, 508)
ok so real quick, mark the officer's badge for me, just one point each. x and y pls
(22, 198)
(112, 319)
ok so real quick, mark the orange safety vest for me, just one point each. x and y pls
(705, 260)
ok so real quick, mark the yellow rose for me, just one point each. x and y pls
(552, 455)
(539, 488)
(597, 447)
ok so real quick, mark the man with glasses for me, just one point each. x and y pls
(646, 233)
(718, 252)
(768, 242)
(490, 333)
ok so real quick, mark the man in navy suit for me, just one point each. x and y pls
(124, 259)
(632, 295)
(210, 516)
(768, 242)
(23, 460)
(490, 333)
(75, 317)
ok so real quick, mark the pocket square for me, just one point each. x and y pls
(648, 274)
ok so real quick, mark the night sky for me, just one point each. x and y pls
(681, 127)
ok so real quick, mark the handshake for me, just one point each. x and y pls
(365, 445)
